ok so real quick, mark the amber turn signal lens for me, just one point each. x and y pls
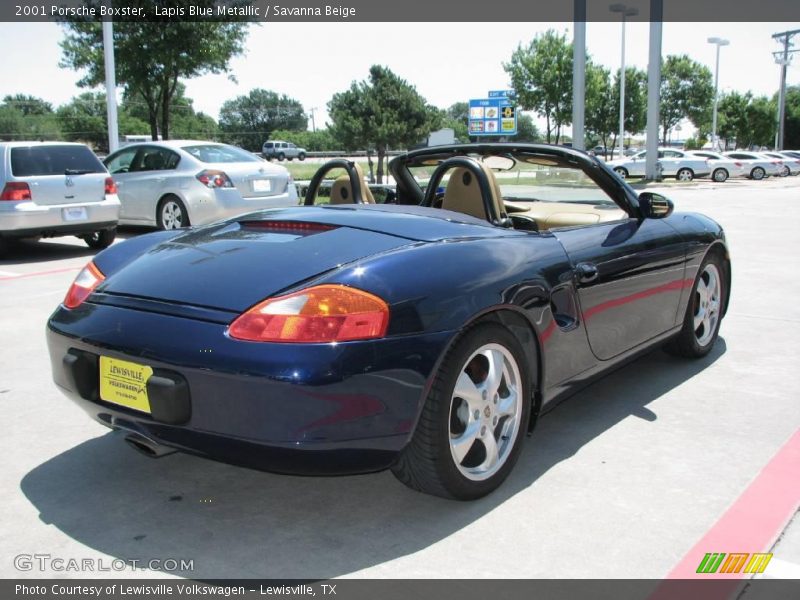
(324, 313)
(85, 283)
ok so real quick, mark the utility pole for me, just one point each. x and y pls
(313, 122)
(783, 59)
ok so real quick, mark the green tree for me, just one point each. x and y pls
(29, 105)
(186, 122)
(602, 115)
(687, 92)
(152, 57)
(762, 122)
(85, 119)
(732, 122)
(249, 121)
(791, 130)
(25, 117)
(380, 111)
(635, 100)
(541, 75)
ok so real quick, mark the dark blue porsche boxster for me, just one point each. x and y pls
(425, 336)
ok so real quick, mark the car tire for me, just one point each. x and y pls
(98, 240)
(622, 172)
(757, 173)
(281, 156)
(447, 455)
(786, 171)
(171, 213)
(684, 174)
(720, 175)
(301, 156)
(704, 311)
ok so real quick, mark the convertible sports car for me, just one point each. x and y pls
(424, 336)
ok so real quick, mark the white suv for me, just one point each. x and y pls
(53, 189)
(282, 150)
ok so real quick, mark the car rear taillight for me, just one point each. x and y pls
(214, 179)
(111, 187)
(16, 191)
(324, 313)
(85, 283)
(738, 164)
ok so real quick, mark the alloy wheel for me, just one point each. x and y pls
(707, 300)
(485, 412)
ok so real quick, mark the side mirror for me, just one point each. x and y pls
(655, 206)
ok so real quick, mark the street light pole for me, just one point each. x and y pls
(111, 85)
(719, 42)
(783, 59)
(625, 12)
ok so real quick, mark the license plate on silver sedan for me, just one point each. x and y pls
(74, 213)
(262, 185)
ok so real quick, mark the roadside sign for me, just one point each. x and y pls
(492, 116)
(501, 93)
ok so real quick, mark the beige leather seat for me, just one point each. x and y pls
(463, 194)
(342, 191)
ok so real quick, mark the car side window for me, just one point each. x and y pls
(155, 159)
(672, 154)
(121, 162)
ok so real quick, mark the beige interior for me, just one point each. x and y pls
(549, 215)
(342, 191)
(463, 194)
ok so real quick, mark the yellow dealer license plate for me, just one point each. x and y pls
(124, 383)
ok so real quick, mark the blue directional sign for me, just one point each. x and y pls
(492, 116)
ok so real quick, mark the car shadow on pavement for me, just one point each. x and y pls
(238, 523)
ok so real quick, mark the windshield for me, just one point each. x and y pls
(535, 179)
(220, 153)
(52, 159)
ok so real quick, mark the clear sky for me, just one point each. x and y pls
(448, 62)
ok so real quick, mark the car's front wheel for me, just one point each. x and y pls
(720, 175)
(704, 312)
(471, 429)
(98, 240)
(684, 174)
(171, 213)
(785, 172)
(622, 172)
(757, 173)
(301, 156)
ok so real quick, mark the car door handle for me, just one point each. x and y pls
(586, 272)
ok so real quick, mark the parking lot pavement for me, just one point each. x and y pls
(621, 480)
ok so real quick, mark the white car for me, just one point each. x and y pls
(674, 163)
(178, 183)
(54, 189)
(790, 166)
(791, 158)
(722, 167)
(757, 165)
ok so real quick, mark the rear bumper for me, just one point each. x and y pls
(28, 219)
(289, 408)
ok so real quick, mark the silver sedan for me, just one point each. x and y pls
(176, 183)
